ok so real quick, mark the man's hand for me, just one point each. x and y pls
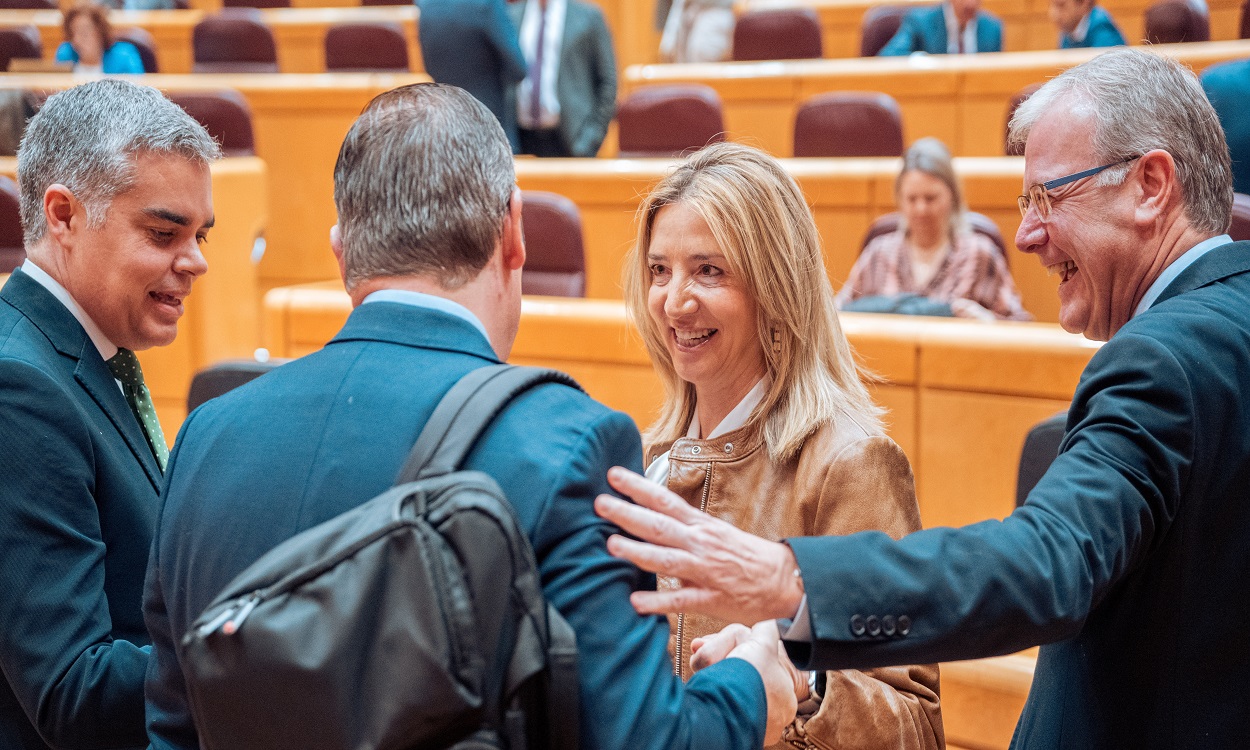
(708, 650)
(724, 571)
(761, 647)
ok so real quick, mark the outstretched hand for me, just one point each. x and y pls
(761, 647)
(725, 572)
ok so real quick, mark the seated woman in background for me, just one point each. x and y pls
(933, 255)
(763, 400)
(90, 46)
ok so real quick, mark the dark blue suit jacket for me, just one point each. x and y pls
(1102, 32)
(1130, 558)
(78, 500)
(1228, 87)
(473, 44)
(924, 30)
(325, 433)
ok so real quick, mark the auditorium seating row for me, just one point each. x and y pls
(296, 36)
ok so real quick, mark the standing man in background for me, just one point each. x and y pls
(954, 27)
(115, 201)
(1082, 23)
(568, 98)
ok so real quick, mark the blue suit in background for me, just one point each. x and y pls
(1228, 87)
(78, 502)
(924, 30)
(120, 59)
(1101, 32)
(326, 433)
(1129, 559)
(473, 44)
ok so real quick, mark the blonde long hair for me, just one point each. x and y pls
(764, 227)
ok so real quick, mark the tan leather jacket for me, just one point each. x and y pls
(843, 480)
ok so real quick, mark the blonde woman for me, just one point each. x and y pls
(763, 400)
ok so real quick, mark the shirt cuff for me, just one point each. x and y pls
(798, 628)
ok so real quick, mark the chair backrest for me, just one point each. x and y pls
(669, 120)
(1240, 228)
(979, 223)
(19, 41)
(255, 3)
(848, 124)
(880, 24)
(1041, 448)
(366, 47)
(29, 5)
(1173, 21)
(143, 42)
(224, 377)
(224, 114)
(385, 2)
(555, 258)
(1017, 99)
(12, 248)
(782, 34)
(1244, 29)
(234, 41)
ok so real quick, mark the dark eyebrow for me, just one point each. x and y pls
(176, 218)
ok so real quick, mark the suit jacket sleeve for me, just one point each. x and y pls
(905, 41)
(1103, 33)
(999, 586)
(504, 38)
(869, 485)
(603, 77)
(76, 684)
(989, 33)
(630, 696)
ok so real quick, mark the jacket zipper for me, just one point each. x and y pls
(679, 665)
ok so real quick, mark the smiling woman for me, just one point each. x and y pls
(763, 400)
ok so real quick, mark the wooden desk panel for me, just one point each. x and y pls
(223, 313)
(982, 699)
(299, 32)
(961, 99)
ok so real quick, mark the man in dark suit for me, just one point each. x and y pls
(954, 27)
(429, 243)
(473, 44)
(568, 98)
(1083, 23)
(1129, 559)
(1228, 87)
(115, 199)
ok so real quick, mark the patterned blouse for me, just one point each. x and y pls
(974, 269)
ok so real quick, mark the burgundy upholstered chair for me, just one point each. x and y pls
(782, 34)
(1240, 228)
(555, 258)
(143, 42)
(255, 3)
(12, 248)
(1173, 21)
(668, 120)
(234, 41)
(224, 114)
(1016, 100)
(979, 223)
(19, 41)
(366, 47)
(848, 124)
(29, 5)
(879, 26)
(1244, 29)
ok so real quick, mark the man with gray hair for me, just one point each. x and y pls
(430, 249)
(1129, 560)
(115, 201)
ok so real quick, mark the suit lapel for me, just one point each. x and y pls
(1220, 263)
(67, 336)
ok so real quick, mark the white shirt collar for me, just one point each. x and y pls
(1172, 271)
(428, 301)
(737, 417)
(106, 348)
(952, 31)
(1082, 28)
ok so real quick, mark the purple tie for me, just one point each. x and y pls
(536, 70)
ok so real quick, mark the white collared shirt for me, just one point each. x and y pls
(106, 348)
(1082, 28)
(430, 302)
(553, 35)
(952, 32)
(1177, 266)
(736, 419)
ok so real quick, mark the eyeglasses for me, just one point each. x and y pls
(1039, 194)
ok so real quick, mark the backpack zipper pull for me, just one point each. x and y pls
(234, 623)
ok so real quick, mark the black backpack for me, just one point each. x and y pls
(415, 620)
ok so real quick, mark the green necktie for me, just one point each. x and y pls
(125, 367)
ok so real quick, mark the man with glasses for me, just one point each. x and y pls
(1130, 559)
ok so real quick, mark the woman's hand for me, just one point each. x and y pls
(966, 308)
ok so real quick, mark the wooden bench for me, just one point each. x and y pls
(222, 318)
(299, 33)
(961, 99)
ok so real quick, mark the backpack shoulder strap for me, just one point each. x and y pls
(465, 412)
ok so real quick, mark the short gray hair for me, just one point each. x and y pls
(85, 138)
(1141, 101)
(422, 185)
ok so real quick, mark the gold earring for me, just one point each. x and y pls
(776, 341)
